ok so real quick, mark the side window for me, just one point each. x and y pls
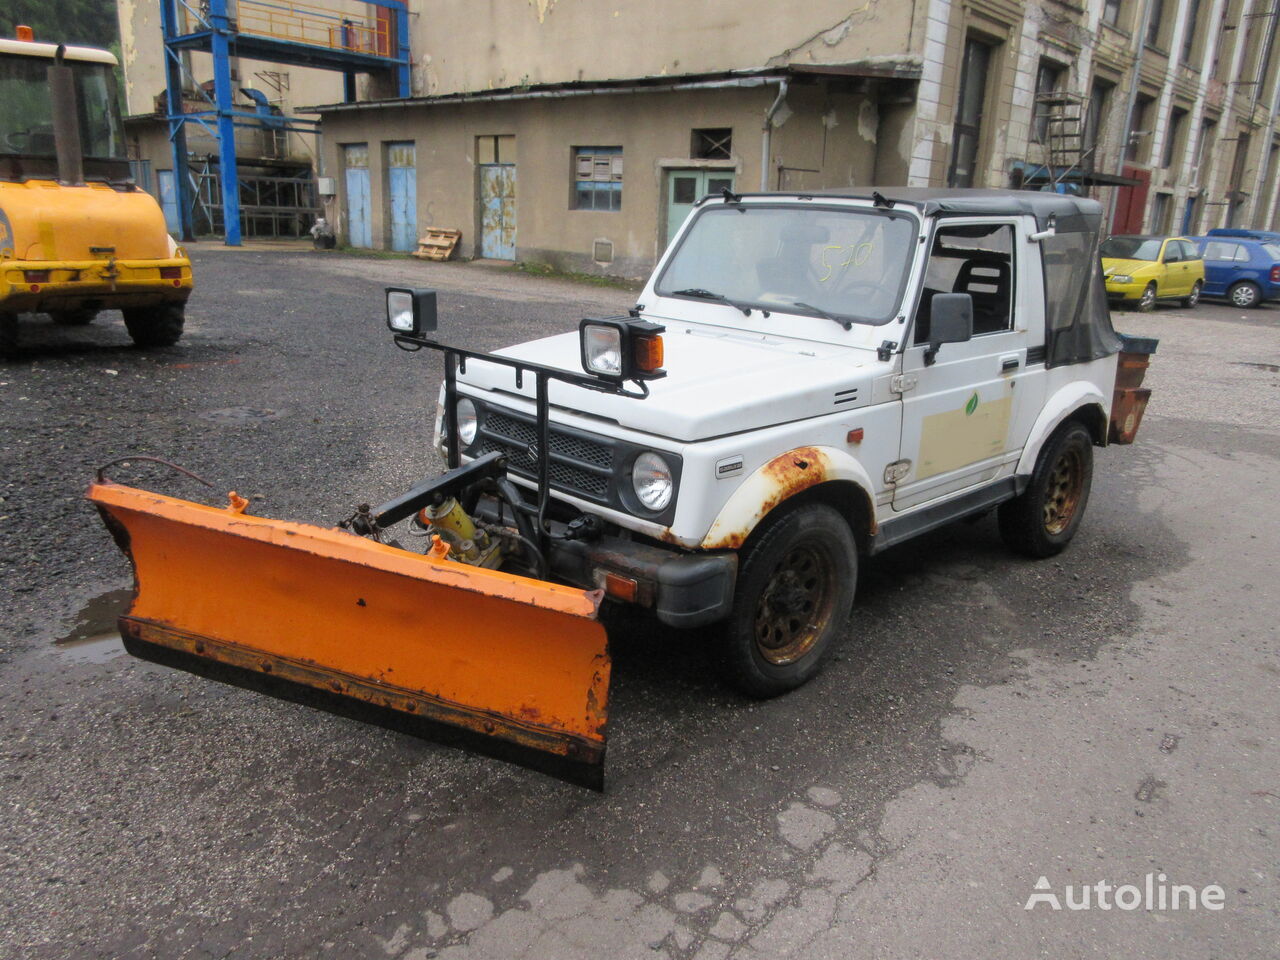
(1242, 255)
(1217, 250)
(1189, 251)
(976, 259)
(1172, 252)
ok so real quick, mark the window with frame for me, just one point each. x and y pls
(1155, 23)
(1224, 251)
(597, 178)
(712, 144)
(1191, 33)
(1173, 142)
(976, 259)
(1111, 12)
(1049, 81)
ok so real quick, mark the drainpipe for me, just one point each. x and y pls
(766, 140)
(1140, 46)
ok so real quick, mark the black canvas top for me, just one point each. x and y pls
(1072, 214)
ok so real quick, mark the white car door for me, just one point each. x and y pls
(967, 410)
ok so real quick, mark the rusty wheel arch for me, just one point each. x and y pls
(847, 498)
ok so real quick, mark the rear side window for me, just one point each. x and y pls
(1272, 250)
(1221, 250)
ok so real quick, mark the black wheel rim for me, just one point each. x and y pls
(796, 604)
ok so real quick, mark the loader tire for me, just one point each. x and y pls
(1041, 521)
(8, 336)
(72, 318)
(793, 597)
(159, 326)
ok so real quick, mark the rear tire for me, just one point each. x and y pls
(72, 318)
(1192, 300)
(1043, 519)
(793, 597)
(1148, 301)
(8, 336)
(159, 326)
(1244, 294)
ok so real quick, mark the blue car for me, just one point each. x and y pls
(1244, 271)
(1244, 233)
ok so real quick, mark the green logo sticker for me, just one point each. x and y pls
(971, 406)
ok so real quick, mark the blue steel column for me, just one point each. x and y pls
(177, 125)
(223, 95)
(402, 53)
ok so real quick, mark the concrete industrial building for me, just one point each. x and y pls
(578, 133)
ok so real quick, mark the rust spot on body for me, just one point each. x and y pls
(785, 476)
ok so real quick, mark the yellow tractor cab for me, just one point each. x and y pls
(77, 235)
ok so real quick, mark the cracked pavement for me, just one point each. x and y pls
(987, 720)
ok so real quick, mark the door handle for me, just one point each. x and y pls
(1009, 363)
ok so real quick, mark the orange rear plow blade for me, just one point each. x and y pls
(514, 666)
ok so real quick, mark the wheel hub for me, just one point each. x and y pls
(794, 606)
(1062, 492)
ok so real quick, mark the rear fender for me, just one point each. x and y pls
(781, 479)
(1070, 399)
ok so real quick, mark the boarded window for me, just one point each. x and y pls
(712, 144)
(597, 178)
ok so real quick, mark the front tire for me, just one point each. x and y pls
(793, 597)
(1148, 301)
(159, 326)
(1244, 294)
(1041, 521)
(1192, 300)
(72, 318)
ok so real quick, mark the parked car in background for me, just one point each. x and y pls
(1246, 272)
(1147, 269)
(1245, 234)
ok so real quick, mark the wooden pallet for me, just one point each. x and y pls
(437, 244)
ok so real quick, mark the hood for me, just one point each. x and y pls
(1111, 265)
(48, 221)
(718, 382)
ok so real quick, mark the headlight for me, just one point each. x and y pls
(651, 480)
(400, 310)
(468, 422)
(602, 349)
(1120, 278)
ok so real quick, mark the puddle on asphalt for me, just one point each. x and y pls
(95, 638)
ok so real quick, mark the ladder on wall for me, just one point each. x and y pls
(1065, 115)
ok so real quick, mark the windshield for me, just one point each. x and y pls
(26, 109)
(847, 263)
(1131, 248)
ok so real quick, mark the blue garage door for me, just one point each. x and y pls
(402, 195)
(355, 161)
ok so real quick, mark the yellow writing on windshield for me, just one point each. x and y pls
(855, 255)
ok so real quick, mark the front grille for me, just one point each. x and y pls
(578, 464)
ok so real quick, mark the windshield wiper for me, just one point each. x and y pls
(847, 324)
(703, 294)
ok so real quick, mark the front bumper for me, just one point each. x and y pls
(1126, 291)
(92, 284)
(683, 589)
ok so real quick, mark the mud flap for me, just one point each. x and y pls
(515, 667)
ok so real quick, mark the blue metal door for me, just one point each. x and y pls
(169, 201)
(402, 194)
(498, 211)
(359, 224)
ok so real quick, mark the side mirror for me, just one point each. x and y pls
(411, 310)
(950, 321)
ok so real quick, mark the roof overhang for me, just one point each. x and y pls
(872, 68)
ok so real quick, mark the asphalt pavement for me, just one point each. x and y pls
(987, 721)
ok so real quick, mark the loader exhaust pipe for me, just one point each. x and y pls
(66, 121)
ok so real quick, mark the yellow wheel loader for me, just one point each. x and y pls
(77, 235)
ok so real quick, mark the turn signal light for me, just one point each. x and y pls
(170, 273)
(648, 352)
(620, 587)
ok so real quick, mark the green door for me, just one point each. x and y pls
(686, 187)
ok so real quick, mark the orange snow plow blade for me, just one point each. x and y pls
(514, 666)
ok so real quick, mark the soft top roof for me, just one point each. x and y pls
(1073, 214)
